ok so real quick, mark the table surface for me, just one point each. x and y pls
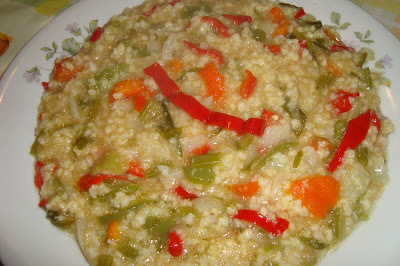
(20, 20)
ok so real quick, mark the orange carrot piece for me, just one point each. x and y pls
(248, 85)
(200, 150)
(274, 49)
(315, 143)
(215, 82)
(245, 190)
(276, 15)
(282, 29)
(62, 73)
(332, 68)
(141, 99)
(318, 194)
(333, 37)
(175, 65)
(128, 88)
(113, 232)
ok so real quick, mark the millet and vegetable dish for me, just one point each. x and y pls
(211, 132)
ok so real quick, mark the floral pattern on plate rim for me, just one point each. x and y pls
(70, 46)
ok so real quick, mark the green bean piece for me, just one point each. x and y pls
(367, 78)
(157, 114)
(215, 132)
(127, 250)
(361, 213)
(60, 220)
(281, 148)
(206, 160)
(317, 24)
(121, 186)
(272, 247)
(182, 77)
(34, 147)
(259, 35)
(297, 159)
(324, 80)
(339, 129)
(159, 228)
(110, 163)
(296, 34)
(362, 60)
(243, 142)
(118, 215)
(151, 172)
(82, 142)
(338, 223)
(316, 47)
(296, 113)
(199, 175)
(312, 242)
(362, 155)
(94, 109)
(104, 260)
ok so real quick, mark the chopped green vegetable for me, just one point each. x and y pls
(317, 24)
(259, 35)
(182, 77)
(243, 142)
(363, 59)
(108, 218)
(157, 114)
(312, 242)
(324, 80)
(82, 142)
(339, 129)
(362, 155)
(104, 260)
(34, 147)
(60, 220)
(338, 223)
(367, 78)
(295, 113)
(110, 163)
(272, 246)
(127, 250)
(206, 160)
(199, 175)
(159, 228)
(281, 148)
(297, 159)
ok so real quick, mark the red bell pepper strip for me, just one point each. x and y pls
(337, 48)
(180, 191)
(193, 107)
(136, 170)
(355, 133)
(375, 120)
(96, 34)
(42, 203)
(226, 121)
(254, 126)
(275, 227)
(303, 44)
(38, 174)
(45, 86)
(218, 25)
(217, 55)
(267, 116)
(341, 102)
(300, 13)
(88, 180)
(248, 85)
(238, 19)
(175, 244)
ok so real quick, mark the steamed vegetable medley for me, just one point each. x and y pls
(205, 132)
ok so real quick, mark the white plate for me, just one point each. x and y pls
(27, 238)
